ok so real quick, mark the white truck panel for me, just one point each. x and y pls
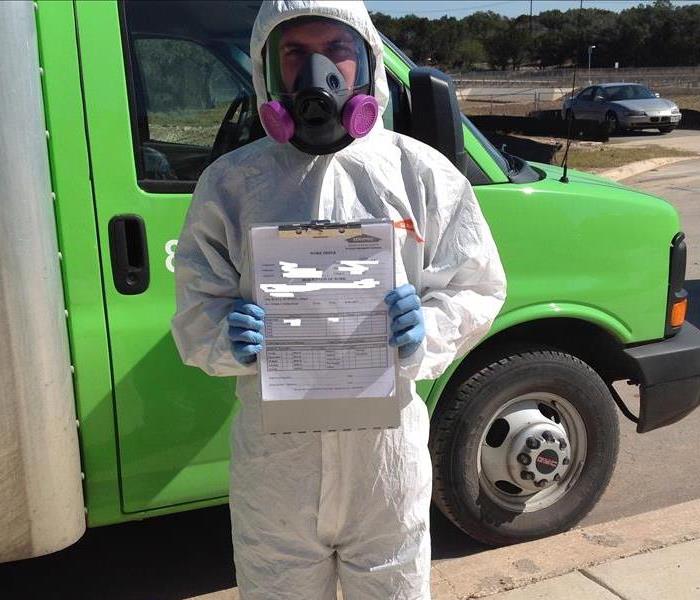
(41, 499)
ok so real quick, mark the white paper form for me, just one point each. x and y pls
(326, 362)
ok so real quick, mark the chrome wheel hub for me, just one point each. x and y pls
(539, 456)
(531, 451)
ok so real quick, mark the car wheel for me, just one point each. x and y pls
(665, 129)
(613, 122)
(524, 448)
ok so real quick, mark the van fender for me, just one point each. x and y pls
(533, 312)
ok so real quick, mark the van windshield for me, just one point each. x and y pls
(494, 153)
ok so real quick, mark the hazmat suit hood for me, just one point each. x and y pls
(349, 12)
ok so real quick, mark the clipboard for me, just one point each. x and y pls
(326, 364)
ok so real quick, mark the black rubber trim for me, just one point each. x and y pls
(167, 186)
(134, 87)
(676, 278)
(624, 409)
(669, 378)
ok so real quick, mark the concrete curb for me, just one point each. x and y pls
(635, 168)
(501, 569)
(662, 574)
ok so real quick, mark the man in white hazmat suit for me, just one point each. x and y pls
(310, 508)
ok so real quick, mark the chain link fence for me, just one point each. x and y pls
(519, 102)
(669, 77)
(524, 92)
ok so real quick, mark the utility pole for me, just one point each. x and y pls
(530, 22)
(590, 51)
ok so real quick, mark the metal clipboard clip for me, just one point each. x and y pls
(319, 229)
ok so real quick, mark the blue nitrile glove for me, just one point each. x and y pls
(246, 330)
(407, 319)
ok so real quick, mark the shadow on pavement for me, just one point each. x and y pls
(164, 558)
(640, 133)
(448, 541)
(170, 557)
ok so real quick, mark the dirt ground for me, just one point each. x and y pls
(598, 156)
(509, 109)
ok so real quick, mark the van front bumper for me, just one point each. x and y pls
(669, 378)
(650, 121)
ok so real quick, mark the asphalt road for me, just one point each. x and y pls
(652, 136)
(190, 554)
(679, 183)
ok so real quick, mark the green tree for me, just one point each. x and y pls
(469, 53)
(658, 34)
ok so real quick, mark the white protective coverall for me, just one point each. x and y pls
(308, 508)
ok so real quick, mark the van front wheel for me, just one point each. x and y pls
(524, 448)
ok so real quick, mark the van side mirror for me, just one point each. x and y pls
(435, 116)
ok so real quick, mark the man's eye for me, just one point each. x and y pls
(341, 50)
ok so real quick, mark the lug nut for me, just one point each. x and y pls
(532, 443)
(547, 436)
(562, 444)
(557, 477)
(565, 461)
(527, 475)
(541, 483)
(524, 459)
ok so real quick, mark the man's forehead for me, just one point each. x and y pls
(321, 30)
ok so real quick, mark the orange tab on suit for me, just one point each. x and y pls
(408, 225)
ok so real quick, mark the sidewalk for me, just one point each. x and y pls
(671, 573)
(650, 556)
(687, 141)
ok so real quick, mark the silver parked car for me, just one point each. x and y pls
(623, 106)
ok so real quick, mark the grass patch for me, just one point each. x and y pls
(607, 156)
(196, 117)
(194, 126)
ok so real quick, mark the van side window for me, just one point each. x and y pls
(190, 88)
(187, 90)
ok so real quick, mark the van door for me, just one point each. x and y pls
(167, 89)
(165, 85)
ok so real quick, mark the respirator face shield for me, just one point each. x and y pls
(319, 81)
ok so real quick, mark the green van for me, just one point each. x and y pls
(110, 111)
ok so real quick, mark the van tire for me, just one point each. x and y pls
(458, 428)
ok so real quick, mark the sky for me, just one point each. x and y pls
(434, 9)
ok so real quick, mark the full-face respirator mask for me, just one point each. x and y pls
(319, 82)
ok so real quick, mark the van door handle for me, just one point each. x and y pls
(129, 252)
